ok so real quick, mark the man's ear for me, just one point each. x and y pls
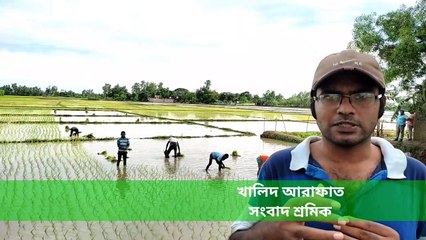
(382, 106)
(314, 114)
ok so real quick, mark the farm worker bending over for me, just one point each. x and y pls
(260, 161)
(172, 144)
(219, 158)
(74, 132)
(123, 145)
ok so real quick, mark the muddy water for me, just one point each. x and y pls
(146, 130)
(78, 160)
(91, 119)
(259, 127)
(149, 153)
(88, 113)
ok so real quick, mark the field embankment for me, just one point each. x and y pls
(411, 148)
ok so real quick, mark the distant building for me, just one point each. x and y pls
(157, 99)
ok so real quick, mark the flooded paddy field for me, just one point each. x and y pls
(80, 160)
(107, 119)
(258, 127)
(147, 130)
(87, 113)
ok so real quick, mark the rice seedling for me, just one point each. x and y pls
(104, 153)
(111, 158)
(235, 153)
(89, 136)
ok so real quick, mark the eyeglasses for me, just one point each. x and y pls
(359, 100)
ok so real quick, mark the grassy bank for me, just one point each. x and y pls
(411, 148)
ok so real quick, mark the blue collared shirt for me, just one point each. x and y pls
(297, 164)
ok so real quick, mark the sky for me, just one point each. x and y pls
(239, 45)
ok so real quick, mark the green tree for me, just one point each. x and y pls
(301, 100)
(183, 95)
(144, 90)
(107, 92)
(270, 99)
(245, 97)
(163, 92)
(149, 89)
(51, 91)
(89, 94)
(228, 98)
(398, 38)
(120, 93)
(7, 90)
(205, 94)
(69, 93)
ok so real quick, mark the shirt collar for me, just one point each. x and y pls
(395, 160)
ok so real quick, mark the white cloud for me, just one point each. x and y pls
(238, 45)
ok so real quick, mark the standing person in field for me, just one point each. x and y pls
(172, 144)
(123, 145)
(400, 126)
(347, 100)
(219, 158)
(260, 161)
(410, 124)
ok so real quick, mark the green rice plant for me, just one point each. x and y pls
(89, 136)
(29, 132)
(235, 153)
(111, 158)
(104, 153)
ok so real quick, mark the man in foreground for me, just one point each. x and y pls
(347, 101)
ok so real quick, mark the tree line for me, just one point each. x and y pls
(144, 91)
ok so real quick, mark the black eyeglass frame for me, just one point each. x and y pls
(351, 97)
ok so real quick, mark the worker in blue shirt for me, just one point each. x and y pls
(123, 145)
(219, 158)
(401, 121)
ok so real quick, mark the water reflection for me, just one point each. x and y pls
(218, 176)
(148, 153)
(171, 165)
(122, 185)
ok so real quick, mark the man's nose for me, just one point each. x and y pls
(346, 106)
